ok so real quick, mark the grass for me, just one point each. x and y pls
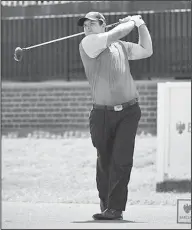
(53, 168)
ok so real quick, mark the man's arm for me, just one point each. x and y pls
(144, 47)
(94, 44)
(119, 31)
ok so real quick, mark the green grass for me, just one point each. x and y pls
(56, 169)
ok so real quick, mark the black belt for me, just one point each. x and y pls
(116, 107)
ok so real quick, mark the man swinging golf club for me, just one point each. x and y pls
(116, 112)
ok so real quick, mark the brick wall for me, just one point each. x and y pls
(63, 105)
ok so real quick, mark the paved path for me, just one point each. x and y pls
(19, 215)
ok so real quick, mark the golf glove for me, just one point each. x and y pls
(138, 20)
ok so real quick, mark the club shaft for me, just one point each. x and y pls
(63, 38)
(55, 40)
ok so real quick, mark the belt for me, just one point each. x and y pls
(117, 107)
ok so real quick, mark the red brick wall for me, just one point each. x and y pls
(63, 105)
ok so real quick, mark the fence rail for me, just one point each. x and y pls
(170, 32)
(28, 3)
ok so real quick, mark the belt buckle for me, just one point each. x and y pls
(118, 107)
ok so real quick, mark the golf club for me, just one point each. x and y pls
(19, 51)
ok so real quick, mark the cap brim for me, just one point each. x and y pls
(82, 20)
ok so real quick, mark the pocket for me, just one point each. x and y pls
(92, 126)
(140, 113)
(96, 126)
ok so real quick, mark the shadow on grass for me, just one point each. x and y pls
(106, 221)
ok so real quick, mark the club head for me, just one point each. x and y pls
(18, 54)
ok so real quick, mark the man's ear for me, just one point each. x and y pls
(104, 26)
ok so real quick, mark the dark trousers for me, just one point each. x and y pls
(113, 135)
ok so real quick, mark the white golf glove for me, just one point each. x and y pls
(138, 20)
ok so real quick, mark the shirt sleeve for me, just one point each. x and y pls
(94, 44)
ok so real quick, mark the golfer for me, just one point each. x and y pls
(116, 112)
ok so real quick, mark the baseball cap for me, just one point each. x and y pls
(91, 16)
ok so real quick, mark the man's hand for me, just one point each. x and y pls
(126, 19)
(138, 20)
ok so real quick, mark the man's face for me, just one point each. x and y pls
(93, 27)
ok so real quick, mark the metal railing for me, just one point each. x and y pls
(28, 3)
(170, 32)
